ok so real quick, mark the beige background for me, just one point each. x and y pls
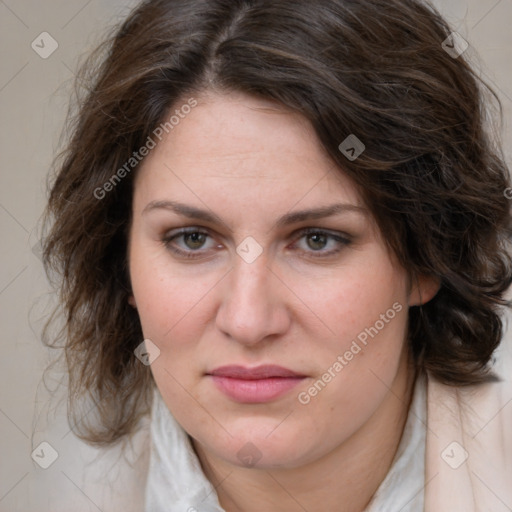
(33, 102)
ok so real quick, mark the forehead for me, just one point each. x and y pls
(243, 147)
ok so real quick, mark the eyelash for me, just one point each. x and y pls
(342, 240)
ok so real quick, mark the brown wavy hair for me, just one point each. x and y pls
(431, 173)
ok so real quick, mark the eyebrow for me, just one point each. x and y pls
(289, 218)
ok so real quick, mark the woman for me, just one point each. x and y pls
(281, 230)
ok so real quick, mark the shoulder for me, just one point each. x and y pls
(469, 442)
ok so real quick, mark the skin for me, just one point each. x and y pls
(250, 162)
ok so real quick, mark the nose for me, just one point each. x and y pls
(253, 306)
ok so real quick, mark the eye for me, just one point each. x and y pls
(317, 240)
(193, 241)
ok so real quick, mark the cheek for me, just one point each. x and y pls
(172, 312)
(366, 313)
(352, 301)
(166, 296)
(358, 366)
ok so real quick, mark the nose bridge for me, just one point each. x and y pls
(251, 288)
(251, 280)
(250, 308)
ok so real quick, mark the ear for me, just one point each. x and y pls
(131, 301)
(423, 289)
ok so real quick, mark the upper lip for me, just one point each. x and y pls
(266, 371)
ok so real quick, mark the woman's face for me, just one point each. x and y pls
(254, 282)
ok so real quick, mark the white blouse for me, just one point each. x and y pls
(176, 482)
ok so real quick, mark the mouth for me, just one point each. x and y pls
(255, 385)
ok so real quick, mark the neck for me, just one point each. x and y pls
(344, 479)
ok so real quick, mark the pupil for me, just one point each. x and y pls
(196, 238)
(318, 241)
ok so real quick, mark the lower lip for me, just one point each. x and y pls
(255, 391)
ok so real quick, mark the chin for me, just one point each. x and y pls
(255, 445)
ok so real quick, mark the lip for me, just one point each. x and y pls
(254, 385)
